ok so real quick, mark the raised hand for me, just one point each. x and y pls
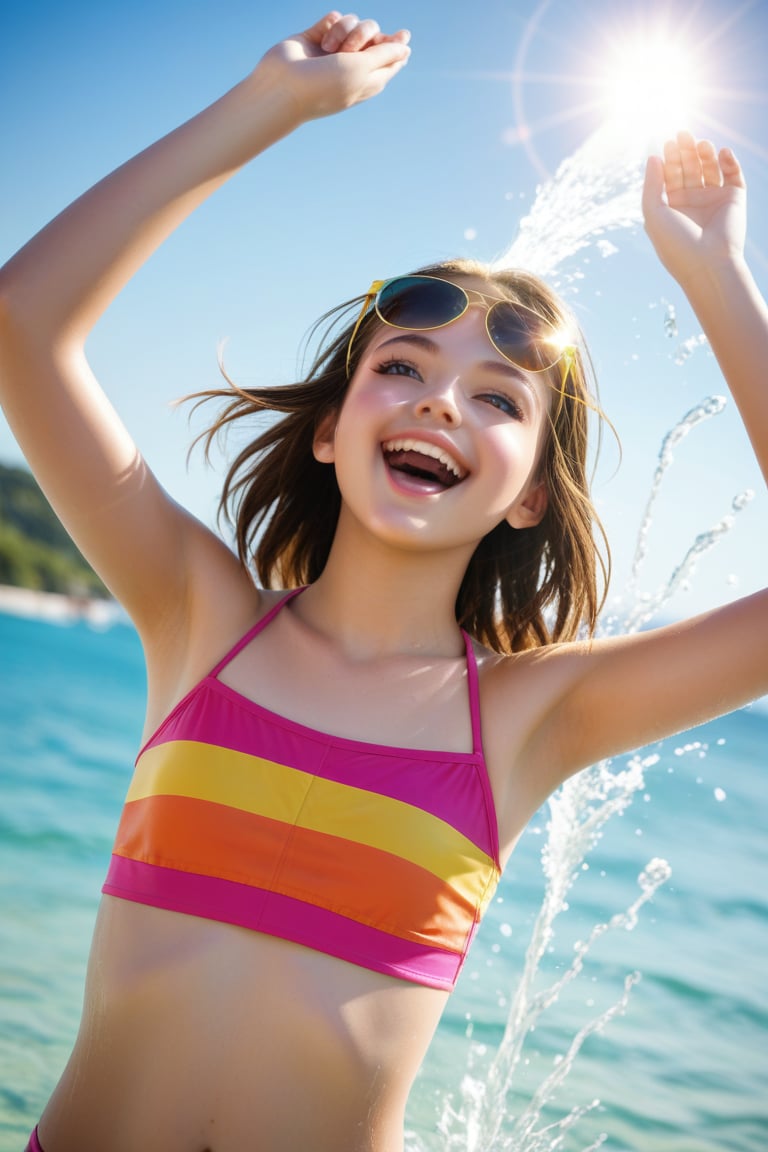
(694, 203)
(338, 62)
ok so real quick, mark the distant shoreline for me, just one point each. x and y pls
(58, 607)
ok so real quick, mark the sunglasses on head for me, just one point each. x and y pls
(423, 303)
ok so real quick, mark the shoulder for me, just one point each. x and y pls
(524, 700)
(532, 679)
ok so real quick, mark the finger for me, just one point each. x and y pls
(673, 166)
(731, 169)
(364, 33)
(321, 28)
(388, 57)
(653, 185)
(403, 36)
(339, 31)
(710, 166)
(689, 159)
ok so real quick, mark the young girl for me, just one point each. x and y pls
(333, 777)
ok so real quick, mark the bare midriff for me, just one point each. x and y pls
(200, 1036)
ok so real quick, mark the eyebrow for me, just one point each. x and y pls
(502, 367)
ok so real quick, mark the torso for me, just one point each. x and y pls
(199, 1035)
(203, 1035)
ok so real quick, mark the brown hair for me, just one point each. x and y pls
(522, 588)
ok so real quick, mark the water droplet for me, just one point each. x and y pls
(720, 795)
(670, 321)
(740, 502)
(656, 872)
(685, 350)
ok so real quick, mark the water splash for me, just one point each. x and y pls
(644, 606)
(577, 814)
(713, 406)
(596, 190)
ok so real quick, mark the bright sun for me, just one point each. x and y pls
(651, 85)
(644, 72)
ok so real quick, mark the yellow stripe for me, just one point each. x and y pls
(252, 784)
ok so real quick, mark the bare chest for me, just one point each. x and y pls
(399, 701)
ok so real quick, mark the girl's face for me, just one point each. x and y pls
(439, 437)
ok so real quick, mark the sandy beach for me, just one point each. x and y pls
(55, 606)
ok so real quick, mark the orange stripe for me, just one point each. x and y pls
(267, 788)
(366, 884)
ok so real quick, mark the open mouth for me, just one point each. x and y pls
(423, 462)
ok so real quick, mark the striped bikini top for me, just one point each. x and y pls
(383, 857)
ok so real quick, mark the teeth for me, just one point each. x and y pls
(425, 449)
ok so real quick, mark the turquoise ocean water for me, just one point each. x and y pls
(683, 1069)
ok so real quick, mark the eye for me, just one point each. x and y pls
(398, 367)
(504, 404)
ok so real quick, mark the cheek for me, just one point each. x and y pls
(510, 460)
(513, 448)
(359, 425)
(368, 406)
(381, 394)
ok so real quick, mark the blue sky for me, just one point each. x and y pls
(448, 161)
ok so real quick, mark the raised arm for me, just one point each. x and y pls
(52, 292)
(621, 693)
(694, 204)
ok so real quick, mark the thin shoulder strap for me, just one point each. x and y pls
(259, 626)
(473, 686)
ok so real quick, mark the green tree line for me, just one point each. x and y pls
(35, 551)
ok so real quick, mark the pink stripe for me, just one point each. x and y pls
(453, 786)
(34, 1144)
(282, 916)
(473, 688)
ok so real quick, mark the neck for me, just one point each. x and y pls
(378, 601)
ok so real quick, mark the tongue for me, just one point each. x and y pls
(420, 466)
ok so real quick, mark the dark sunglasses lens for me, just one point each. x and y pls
(420, 302)
(522, 337)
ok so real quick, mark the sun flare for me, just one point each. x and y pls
(650, 85)
(639, 72)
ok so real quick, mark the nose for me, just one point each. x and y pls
(439, 402)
